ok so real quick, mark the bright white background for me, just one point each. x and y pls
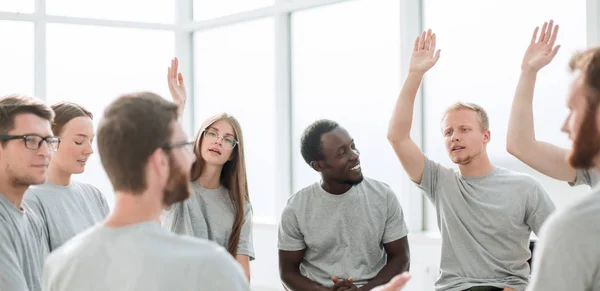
(278, 65)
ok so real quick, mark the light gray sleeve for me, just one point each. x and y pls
(104, 209)
(395, 226)
(566, 258)
(290, 236)
(11, 273)
(429, 182)
(583, 177)
(176, 219)
(539, 207)
(34, 203)
(246, 244)
(225, 274)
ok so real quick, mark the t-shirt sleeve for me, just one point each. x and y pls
(104, 209)
(246, 244)
(11, 272)
(395, 226)
(540, 206)
(290, 238)
(566, 257)
(33, 202)
(583, 177)
(224, 273)
(431, 176)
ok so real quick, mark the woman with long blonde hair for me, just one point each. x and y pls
(219, 208)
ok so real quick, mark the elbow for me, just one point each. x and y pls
(393, 136)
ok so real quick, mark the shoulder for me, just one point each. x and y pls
(299, 198)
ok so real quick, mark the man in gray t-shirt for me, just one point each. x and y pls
(26, 146)
(67, 210)
(485, 213)
(567, 256)
(346, 231)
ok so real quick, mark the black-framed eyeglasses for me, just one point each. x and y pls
(34, 141)
(188, 145)
(227, 141)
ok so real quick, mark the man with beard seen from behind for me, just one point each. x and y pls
(147, 157)
(344, 232)
(567, 256)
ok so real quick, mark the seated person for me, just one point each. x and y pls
(344, 231)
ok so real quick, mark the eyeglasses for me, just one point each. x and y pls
(227, 141)
(188, 145)
(34, 141)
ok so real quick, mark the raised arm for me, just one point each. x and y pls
(176, 86)
(520, 138)
(411, 157)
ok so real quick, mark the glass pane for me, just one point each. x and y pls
(157, 11)
(207, 9)
(16, 57)
(22, 6)
(348, 71)
(481, 63)
(93, 65)
(234, 72)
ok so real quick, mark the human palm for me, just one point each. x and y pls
(176, 86)
(541, 49)
(424, 55)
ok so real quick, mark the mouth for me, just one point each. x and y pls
(456, 148)
(41, 166)
(82, 162)
(216, 151)
(355, 168)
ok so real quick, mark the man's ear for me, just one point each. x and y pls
(158, 161)
(487, 137)
(317, 165)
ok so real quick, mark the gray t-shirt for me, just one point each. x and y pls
(485, 223)
(67, 210)
(209, 214)
(567, 256)
(588, 177)
(141, 257)
(23, 247)
(342, 235)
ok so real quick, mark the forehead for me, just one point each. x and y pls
(335, 138)
(460, 116)
(223, 127)
(576, 90)
(82, 124)
(28, 123)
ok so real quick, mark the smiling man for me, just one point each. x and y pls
(485, 213)
(26, 146)
(345, 232)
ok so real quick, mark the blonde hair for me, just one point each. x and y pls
(233, 174)
(482, 115)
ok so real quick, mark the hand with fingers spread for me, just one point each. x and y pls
(424, 55)
(396, 284)
(541, 49)
(176, 86)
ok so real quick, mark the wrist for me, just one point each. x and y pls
(416, 73)
(528, 71)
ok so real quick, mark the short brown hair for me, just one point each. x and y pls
(15, 104)
(482, 115)
(588, 63)
(132, 128)
(65, 112)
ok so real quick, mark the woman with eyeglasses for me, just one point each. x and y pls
(219, 208)
(68, 207)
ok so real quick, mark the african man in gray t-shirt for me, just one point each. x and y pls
(346, 231)
(485, 213)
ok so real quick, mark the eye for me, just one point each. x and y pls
(465, 129)
(449, 132)
(229, 140)
(211, 133)
(78, 143)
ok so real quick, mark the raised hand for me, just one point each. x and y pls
(176, 86)
(396, 284)
(541, 50)
(424, 55)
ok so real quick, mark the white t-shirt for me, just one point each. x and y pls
(139, 257)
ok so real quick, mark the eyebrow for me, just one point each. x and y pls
(344, 145)
(227, 134)
(82, 135)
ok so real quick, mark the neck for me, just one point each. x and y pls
(57, 176)
(210, 178)
(335, 188)
(133, 208)
(14, 194)
(478, 166)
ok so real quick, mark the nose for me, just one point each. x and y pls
(354, 154)
(45, 150)
(89, 149)
(564, 127)
(455, 137)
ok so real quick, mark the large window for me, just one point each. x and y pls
(348, 71)
(157, 11)
(480, 62)
(234, 72)
(103, 63)
(22, 6)
(16, 57)
(207, 9)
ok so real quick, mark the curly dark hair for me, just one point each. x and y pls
(310, 143)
